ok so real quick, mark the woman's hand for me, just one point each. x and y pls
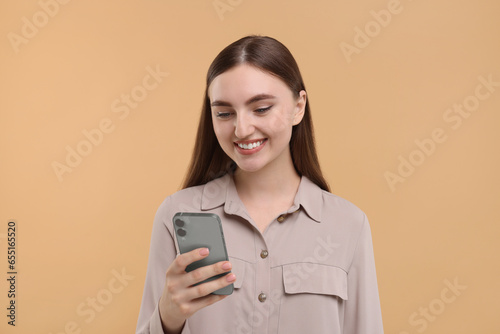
(180, 299)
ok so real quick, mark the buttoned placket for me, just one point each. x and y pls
(259, 320)
(263, 282)
(263, 294)
(263, 306)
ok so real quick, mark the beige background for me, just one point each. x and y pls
(440, 225)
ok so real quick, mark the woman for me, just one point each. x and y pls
(300, 258)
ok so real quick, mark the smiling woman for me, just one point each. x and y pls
(291, 243)
(250, 121)
(271, 59)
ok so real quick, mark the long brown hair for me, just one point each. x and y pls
(209, 161)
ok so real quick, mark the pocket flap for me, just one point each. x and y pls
(315, 278)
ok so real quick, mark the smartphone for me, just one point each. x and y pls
(196, 230)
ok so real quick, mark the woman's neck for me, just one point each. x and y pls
(267, 184)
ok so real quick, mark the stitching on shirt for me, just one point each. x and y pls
(238, 258)
(316, 263)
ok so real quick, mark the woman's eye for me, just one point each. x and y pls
(223, 114)
(262, 110)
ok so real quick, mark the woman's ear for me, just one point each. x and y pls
(300, 107)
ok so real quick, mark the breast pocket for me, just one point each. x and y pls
(314, 296)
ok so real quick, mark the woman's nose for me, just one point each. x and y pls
(243, 126)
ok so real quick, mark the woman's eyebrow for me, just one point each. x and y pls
(258, 97)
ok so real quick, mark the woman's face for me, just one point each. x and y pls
(253, 113)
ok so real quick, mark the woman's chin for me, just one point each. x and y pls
(249, 168)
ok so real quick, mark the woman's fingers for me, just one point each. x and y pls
(182, 296)
(205, 289)
(183, 260)
(202, 273)
(199, 296)
(198, 275)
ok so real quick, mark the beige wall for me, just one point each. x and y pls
(373, 98)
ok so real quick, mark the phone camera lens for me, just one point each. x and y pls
(181, 232)
(179, 222)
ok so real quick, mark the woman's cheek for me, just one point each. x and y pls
(219, 130)
(279, 123)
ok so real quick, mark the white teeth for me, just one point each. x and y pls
(251, 146)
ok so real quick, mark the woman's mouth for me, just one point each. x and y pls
(250, 147)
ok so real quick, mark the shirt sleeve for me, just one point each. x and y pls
(161, 253)
(362, 312)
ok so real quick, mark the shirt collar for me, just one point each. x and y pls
(310, 197)
(214, 193)
(223, 191)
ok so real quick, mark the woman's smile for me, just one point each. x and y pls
(250, 146)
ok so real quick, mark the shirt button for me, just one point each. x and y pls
(264, 254)
(262, 297)
(281, 218)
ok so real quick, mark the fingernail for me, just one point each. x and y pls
(204, 251)
(230, 277)
(226, 266)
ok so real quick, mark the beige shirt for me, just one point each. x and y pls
(311, 271)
